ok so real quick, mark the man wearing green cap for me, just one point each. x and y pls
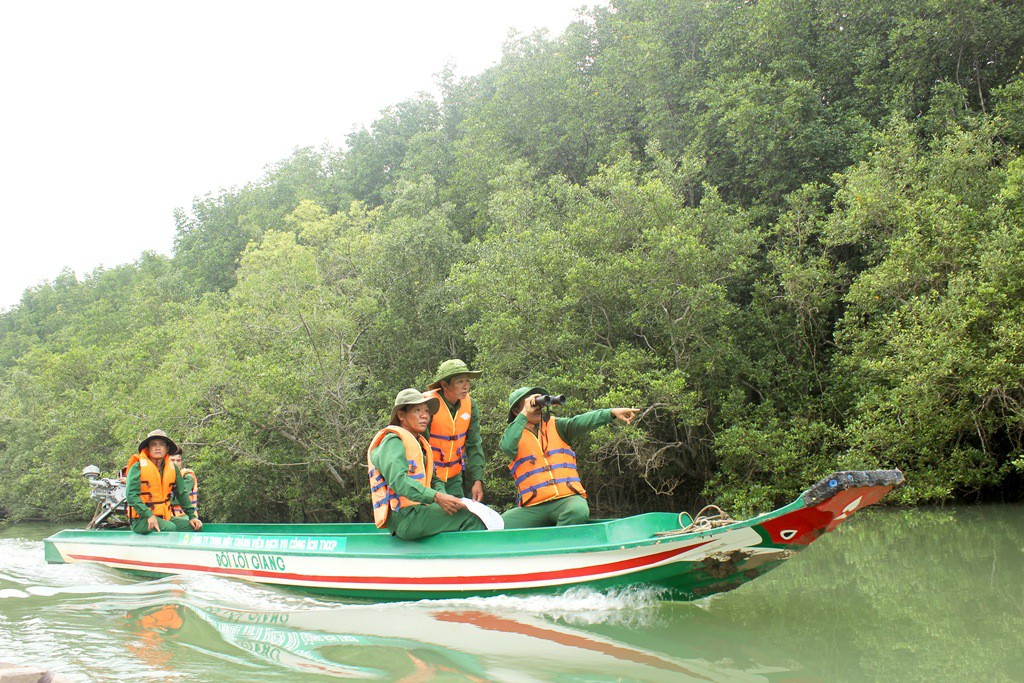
(543, 463)
(455, 442)
(407, 499)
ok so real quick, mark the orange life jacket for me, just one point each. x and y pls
(383, 497)
(157, 489)
(448, 436)
(193, 495)
(545, 467)
(123, 473)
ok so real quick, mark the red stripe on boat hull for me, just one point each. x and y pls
(533, 577)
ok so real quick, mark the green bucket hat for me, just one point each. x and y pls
(159, 434)
(412, 397)
(451, 368)
(518, 395)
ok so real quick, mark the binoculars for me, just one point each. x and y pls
(546, 400)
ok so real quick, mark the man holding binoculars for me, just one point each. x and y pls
(543, 464)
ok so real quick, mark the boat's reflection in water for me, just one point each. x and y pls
(495, 639)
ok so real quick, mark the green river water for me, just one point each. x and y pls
(891, 595)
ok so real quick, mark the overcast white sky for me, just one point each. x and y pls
(116, 112)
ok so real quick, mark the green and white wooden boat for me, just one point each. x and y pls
(361, 561)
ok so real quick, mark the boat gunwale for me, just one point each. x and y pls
(445, 546)
(419, 550)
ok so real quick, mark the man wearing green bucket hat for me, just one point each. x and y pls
(407, 499)
(543, 463)
(455, 442)
(153, 485)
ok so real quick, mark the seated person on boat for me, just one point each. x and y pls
(543, 462)
(154, 483)
(458, 449)
(407, 499)
(190, 478)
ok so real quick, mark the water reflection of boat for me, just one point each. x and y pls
(149, 628)
(424, 641)
(358, 560)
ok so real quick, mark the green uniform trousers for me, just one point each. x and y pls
(179, 523)
(421, 521)
(453, 487)
(561, 512)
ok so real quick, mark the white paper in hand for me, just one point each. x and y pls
(490, 517)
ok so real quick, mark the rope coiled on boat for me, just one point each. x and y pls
(702, 522)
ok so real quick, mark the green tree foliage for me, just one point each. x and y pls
(211, 239)
(616, 293)
(66, 399)
(375, 156)
(789, 232)
(928, 336)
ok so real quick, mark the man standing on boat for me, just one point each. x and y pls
(543, 462)
(406, 498)
(153, 481)
(455, 441)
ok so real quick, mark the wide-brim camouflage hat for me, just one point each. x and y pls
(159, 434)
(518, 395)
(451, 368)
(412, 397)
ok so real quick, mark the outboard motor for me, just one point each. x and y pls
(109, 494)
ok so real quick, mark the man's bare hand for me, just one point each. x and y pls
(530, 407)
(448, 503)
(195, 523)
(477, 492)
(153, 523)
(625, 414)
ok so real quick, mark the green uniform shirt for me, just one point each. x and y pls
(569, 428)
(474, 442)
(182, 487)
(389, 459)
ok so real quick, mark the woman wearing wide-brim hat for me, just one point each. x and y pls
(455, 441)
(406, 497)
(149, 507)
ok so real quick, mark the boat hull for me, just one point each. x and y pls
(360, 561)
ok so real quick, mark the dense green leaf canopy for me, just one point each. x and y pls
(791, 233)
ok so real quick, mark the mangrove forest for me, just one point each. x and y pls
(790, 232)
